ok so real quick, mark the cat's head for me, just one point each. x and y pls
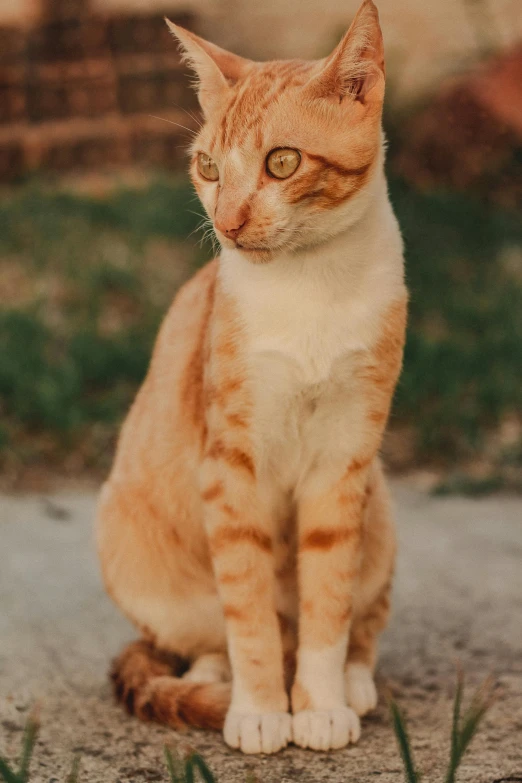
(287, 148)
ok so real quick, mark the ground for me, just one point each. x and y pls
(458, 597)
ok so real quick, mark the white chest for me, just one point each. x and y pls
(306, 323)
(302, 349)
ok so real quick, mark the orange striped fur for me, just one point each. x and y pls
(245, 527)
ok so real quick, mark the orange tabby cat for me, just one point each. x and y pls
(245, 527)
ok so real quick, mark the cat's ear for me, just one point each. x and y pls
(356, 65)
(216, 69)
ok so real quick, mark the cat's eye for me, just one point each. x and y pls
(282, 163)
(207, 168)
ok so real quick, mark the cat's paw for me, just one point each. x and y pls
(361, 693)
(258, 733)
(325, 729)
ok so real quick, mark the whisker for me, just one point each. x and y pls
(198, 228)
(207, 235)
(205, 217)
(177, 124)
(190, 114)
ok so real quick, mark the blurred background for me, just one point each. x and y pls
(99, 225)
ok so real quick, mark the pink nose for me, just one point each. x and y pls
(231, 228)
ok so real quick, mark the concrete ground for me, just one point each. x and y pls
(458, 597)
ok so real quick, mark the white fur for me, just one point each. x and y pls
(321, 672)
(258, 733)
(331, 724)
(325, 729)
(361, 693)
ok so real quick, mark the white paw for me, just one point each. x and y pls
(258, 733)
(326, 729)
(361, 693)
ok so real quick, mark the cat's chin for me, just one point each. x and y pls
(256, 255)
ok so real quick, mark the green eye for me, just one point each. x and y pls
(282, 163)
(207, 168)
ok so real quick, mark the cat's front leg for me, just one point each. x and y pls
(241, 545)
(330, 518)
(329, 554)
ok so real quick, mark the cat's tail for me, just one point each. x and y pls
(146, 682)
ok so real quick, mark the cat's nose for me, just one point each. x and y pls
(231, 228)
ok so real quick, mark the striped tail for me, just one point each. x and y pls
(146, 681)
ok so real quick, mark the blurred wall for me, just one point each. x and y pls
(18, 12)
(424, 40)
(82, 81)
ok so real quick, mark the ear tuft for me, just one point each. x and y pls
(194, 55)
(181, 37)
(216, 69)
(357, 64)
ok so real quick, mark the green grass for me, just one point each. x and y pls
(87, 283)
(463, 360)
(463, 729)
(185, 770)
(84, 283)
(22, 772)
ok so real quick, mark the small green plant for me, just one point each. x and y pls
(183, 770)
(30, 734)
(462, 731)
(8, 774)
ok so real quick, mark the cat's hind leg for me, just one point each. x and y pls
(210, 667)
(167, 591)
(361, 693)
(373, 601)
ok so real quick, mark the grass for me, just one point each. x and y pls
(181, 770)
(83, 286)
(8, 773)
(84, 283)
(463, 729)
(184, 770)
(192, 766)
(463, 358)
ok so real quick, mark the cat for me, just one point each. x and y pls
(245, 527)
